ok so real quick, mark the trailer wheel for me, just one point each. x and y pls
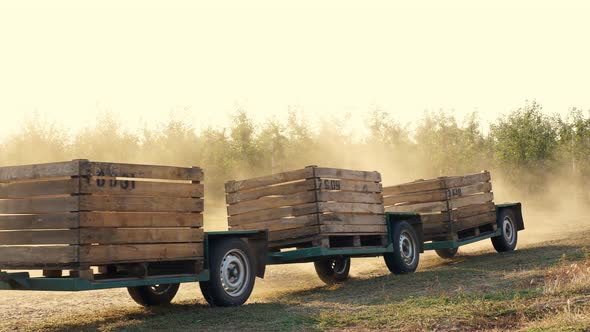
(148, 296)
(508, 237)
(446, 253)
(232, 274)
(406, 255)
(333, 270)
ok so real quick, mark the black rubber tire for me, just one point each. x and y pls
(395, 261)
(333, 270)
(148, 296)
(447, 253)
(213, 290)
(508, 238)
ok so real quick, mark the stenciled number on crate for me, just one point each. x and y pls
(330, 184)
(123, 184)
(454, 192)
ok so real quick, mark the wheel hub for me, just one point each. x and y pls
(407, 248)
(234, 273)
(160, 289)
(508, 230)
(339, 265)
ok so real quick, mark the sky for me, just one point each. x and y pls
(67, 61)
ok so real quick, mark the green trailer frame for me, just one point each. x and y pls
(23, 280)
(306, 255)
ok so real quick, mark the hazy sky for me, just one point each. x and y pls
(73, 59)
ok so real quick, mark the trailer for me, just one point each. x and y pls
(232, 262)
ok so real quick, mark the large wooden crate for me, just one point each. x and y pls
(311, 206)
(76, 214)
(452, 208)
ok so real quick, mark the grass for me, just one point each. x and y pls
(541, 287)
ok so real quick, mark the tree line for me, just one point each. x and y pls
(525, 148)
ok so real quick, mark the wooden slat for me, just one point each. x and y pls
(419, 207)
(39, 188)
(338, 207)
(284, 189)
(139, 219)
(118, 253)
(41, 221)
(471, 200)
(293, 233)
(263, 215)
(140, 204)
(40, 237)
(412, 187)
(349, 185)
(233, 186)
(422, 197)
(271, 202)
(140, 171)
(435, 217)
(466, 180)
(349, 197)
(475, 221)
(346, 174)
(472, 210)
(36, 256)
(93, 185)
(39, 171)
(380, 229)
(280, 224)
(351, 219)
(469, 190)
(139, 235)
(39, 205)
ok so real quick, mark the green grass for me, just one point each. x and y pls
(543, 287)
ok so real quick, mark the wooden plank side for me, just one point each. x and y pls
(265, 203)
(471, 200)
(140, 188)
(413, 187)
(349, 197)
(139, 219)
(475, 221)
(119, 253)
(339, 207)
(469, 190)
(283, 189)
(93, 168)
(139, 235)
(35, 256)
(349, 185)
(347, 174)
(39, 221)
(140, 204)
(472, 210)
(466, 180)
(378, 229)
(39, 205)
(39, 171)
(419, 207)
(351, 219)
(422, 197)
(39, 188)
(40, 237)
(280, 224)
(293, 233)
(233, 186)
(271, 214)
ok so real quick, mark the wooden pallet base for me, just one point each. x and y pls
(333, 241)
(467, 233)
(140, 269)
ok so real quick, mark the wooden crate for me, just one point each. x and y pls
(451, 207)
(311, 206)
(76, 214)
